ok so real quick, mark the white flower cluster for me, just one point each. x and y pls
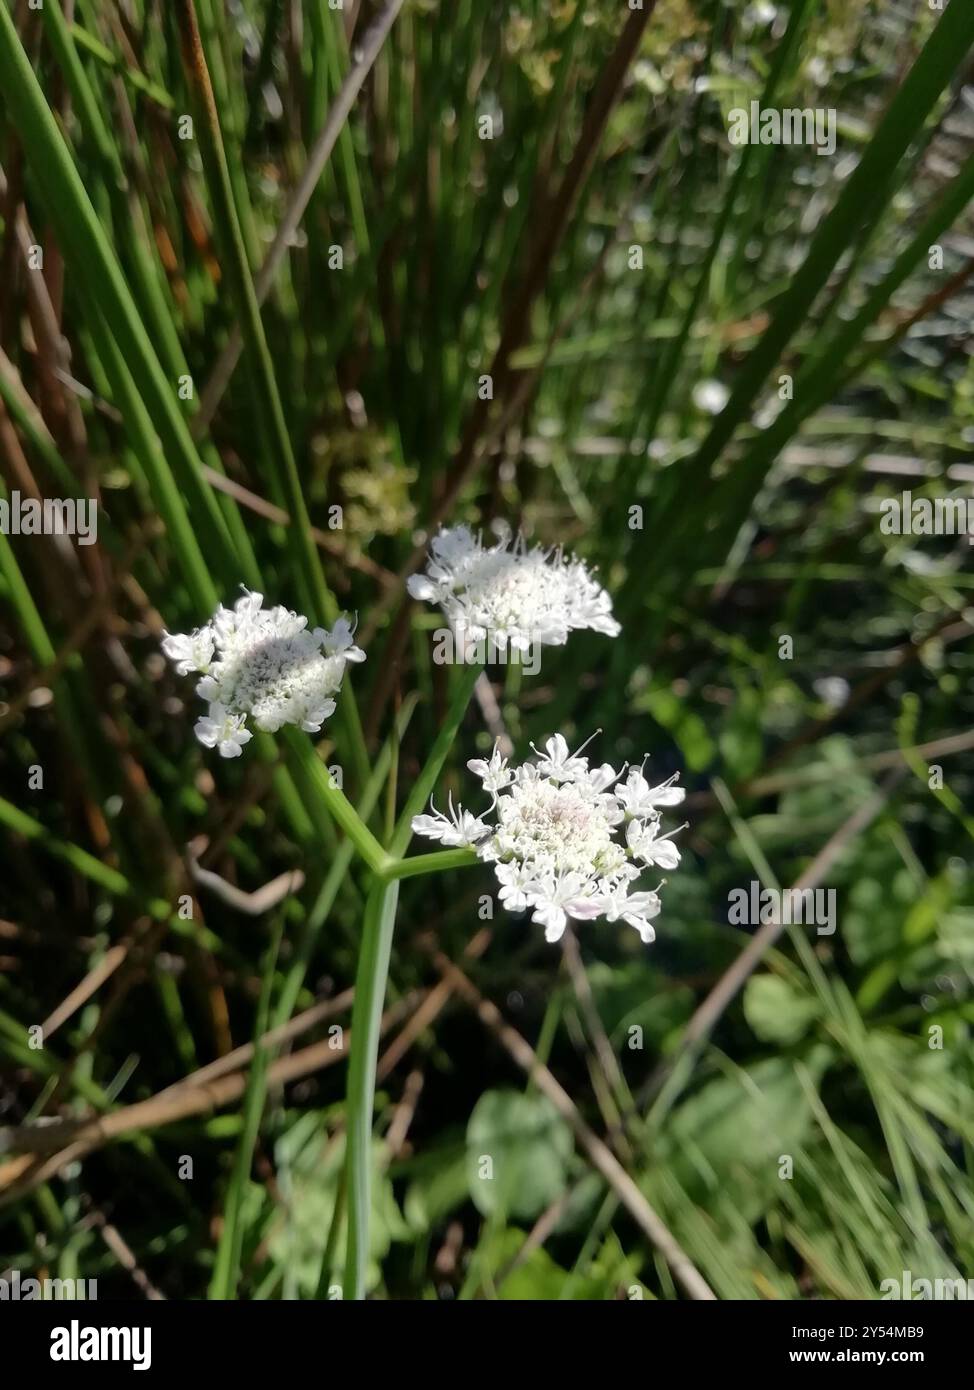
(514, 594)
(262, 662)
(568, 840)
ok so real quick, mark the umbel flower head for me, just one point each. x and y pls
(567, 840)
(513, 594)
(265, 663)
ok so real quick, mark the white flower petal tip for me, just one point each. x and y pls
(459, 828)
(642, 800)
(518, 595)
(494, 774)
(564, 842)
(642, 926)
(339, 642)
(262, 663)
(646, 843)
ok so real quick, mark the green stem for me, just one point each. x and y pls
(436, 863)
(131, 75)
(114, 882)
(305, 945)
(370, 985)
(370, 989)
(316, 595)
(426, 780)
(79, 859)
(226, 1271)
(335, 802)
(86, 245)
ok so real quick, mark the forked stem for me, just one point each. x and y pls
(370, 985)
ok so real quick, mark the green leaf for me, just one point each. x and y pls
(518, 1149)
(310, 1165)
(688, 729)
(741, 741)
(776, 1010)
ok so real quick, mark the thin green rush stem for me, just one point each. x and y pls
(426, 781)
(25, 415)
(22, 600)
(837, 359)
(114, 882)
(370, 987)
(673, 352)
(317, 595)
(857, 208)
(142, 269)
(86, 246)
(228, 95)
(144, 442)
(111, 60)
(226, 1273)
(79, 859)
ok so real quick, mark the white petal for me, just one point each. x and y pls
(642, 926)
(666, 794)
(665, 854)
(422, 588)
(553, 919)
(208, 690)
(584, 909)
(178, 646)
(207, 731)
(433, 827)
(556, 749)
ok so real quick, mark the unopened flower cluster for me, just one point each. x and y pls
(265, 664)
(517, 594)
(567, 840)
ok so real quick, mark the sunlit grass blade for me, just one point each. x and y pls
(860, 204)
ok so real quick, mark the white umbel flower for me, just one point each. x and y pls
(514, 594)
(264, 663)
(567, 839)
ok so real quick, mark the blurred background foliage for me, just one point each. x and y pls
(638, 290)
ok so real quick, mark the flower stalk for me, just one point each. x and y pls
(370, 989)
(426, 780)
(372, 977)
(439, 862)
(337, 804)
